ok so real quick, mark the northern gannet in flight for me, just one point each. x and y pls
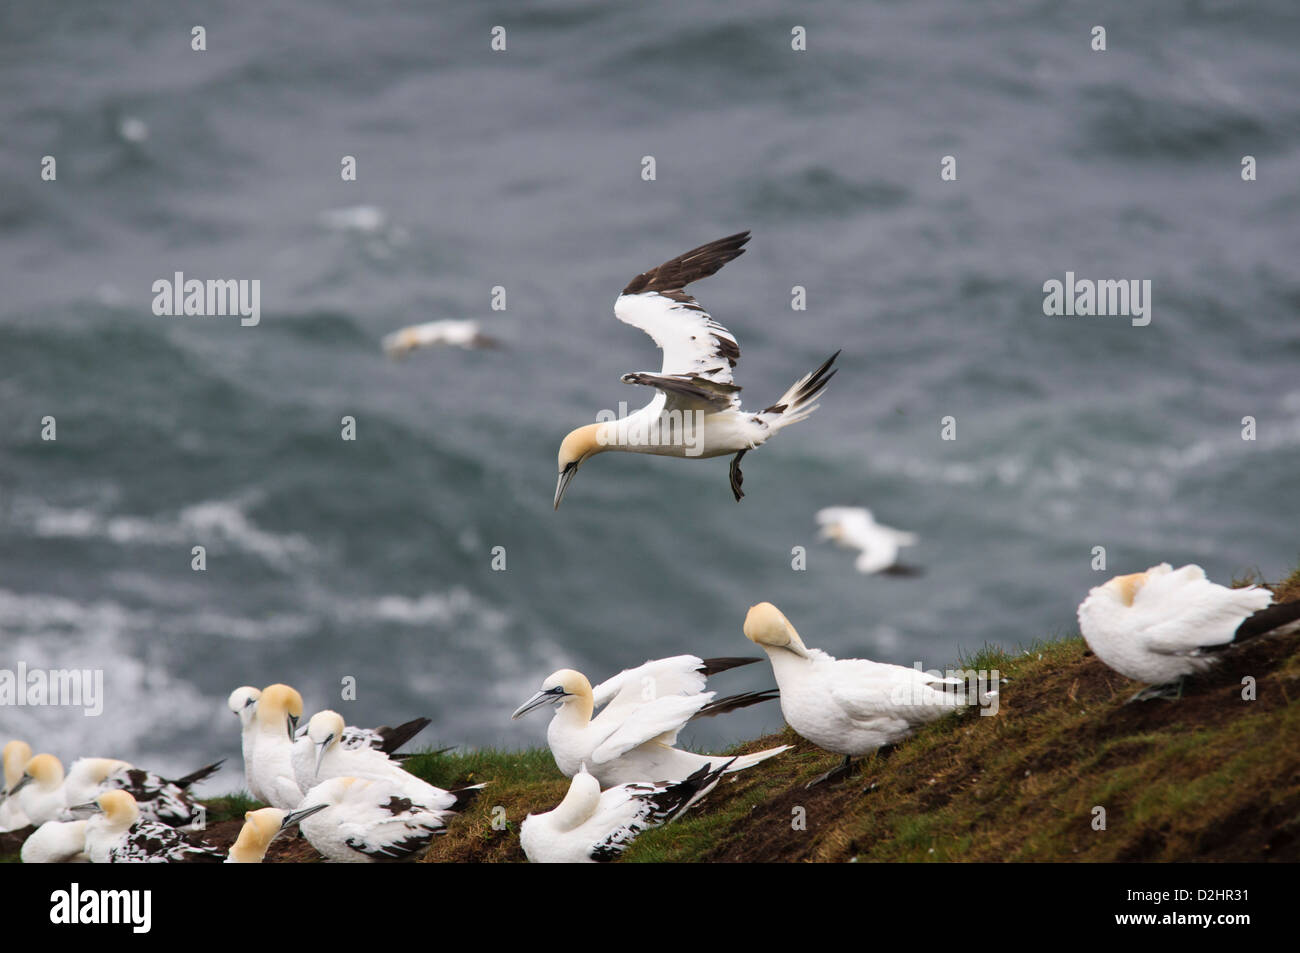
(40, 791)
(589, 826)
(117, 835)
(644, 710)
(260, 828)
(462, 334)
(370, 820)
(847, 706)
(695, 382)
(15, 757)
(56, 842)
(269, 771)
(1164, 624)
(853, 527)
(158, 798)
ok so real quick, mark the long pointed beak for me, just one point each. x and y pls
(296, 817)
(320, 753)
(537, 701)
(291, 723)
(25, 780)
(78, 811)
(563, 482)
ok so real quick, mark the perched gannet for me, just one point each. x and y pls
(633, 736)
(40, 789)
(462, 334)
(370, 820)
(320, 755)
(853, 527)
(269, 771)
(159, 799)
(1164, 624)
(260, 828)
(847, 706)
(56, 842)
(15, 757)
(116, 834)
(588, 826)
(697, 410)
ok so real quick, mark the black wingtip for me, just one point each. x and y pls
(196, 776)
(394, 738)
(712, 666)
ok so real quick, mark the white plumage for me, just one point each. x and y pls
(118, 835)
(697, 410)
(847, 706)
(159, 799)
(854, 527)
(461, 334)
(589, 826)
(269, 769)
(15, 757)
(632, 738)
(56, 842)
(373, 820)
(1161, 625)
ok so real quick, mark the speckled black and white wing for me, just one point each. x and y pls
(159, 798)
(699, 353)
(383, 738)
(629, 809)
(149, 842)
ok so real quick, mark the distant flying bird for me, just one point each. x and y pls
(260, 828)
(697, 410)
(847, 706)
(1164, 624)
(116, 834)
(158, 798)
(633, 736)
(461, 334)
(590, 827)
(372, 820)
(853, 527)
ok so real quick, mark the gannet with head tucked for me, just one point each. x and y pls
(15, 757)
(644, 710)
(589, 826)
(40, 790)
(847, 706)
(1164, 624)
(270, 770)
(373, 820)
(697, 411)
(56, 842)
(260, 828)
(116, 834)
(854, 527)
(158, 798)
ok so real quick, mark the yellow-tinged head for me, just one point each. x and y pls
(260, 828)
(561, 686)
(45, 771)
(119, 807)
(16, 755)
(279, 706)
(767, 626)
(1125, 588)
(577, 446)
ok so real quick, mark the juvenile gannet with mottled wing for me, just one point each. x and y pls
(1164, 624)
(319, 755)
(645, 708)
(372, 820)
(854, 527)
(270, 770)
(116, 834)
(15, 757)
(589, 827)
(695, 383)
(260, 828)
(159, 799)
(847, 706)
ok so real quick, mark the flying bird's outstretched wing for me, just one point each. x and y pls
(699, 353)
